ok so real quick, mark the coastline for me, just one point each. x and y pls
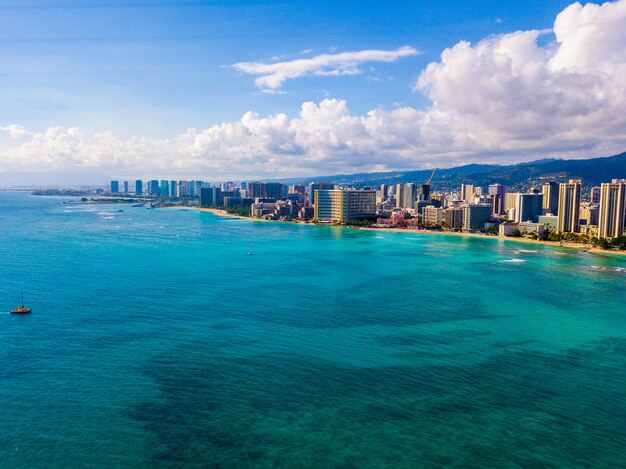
(554, 244)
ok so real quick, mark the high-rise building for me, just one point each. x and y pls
(318, 186)
(297, 189)
(406, 194)
(453, 218)
(256, 189)
(164, 190)
(384, 192)
(173, 185)
(211, 196)
(182, 189)
(467, 192)
(528, 207)
(439, 200)
(510, 201)
(115, 187)
(138, 187)
(274, 190)
(424, 192)
(153, 187)
(612, 209)
(594, 196)
(125, 187)
(341, 206)
(475, 216)
(550, 193)
(498, 194)
(569, 206)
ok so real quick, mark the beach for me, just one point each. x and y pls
(568, 245)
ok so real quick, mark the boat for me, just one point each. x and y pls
(21, 309)
(249, 254)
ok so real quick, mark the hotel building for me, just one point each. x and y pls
(612, 209)
(569, 206)
(341, 206)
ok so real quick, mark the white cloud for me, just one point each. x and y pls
(15, 131)
(273, 75)
(509, 94)
(506, 98)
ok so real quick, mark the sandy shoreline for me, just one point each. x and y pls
(568, 245)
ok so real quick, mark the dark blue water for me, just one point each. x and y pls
(155, 340)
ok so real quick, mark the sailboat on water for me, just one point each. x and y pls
(21, 309)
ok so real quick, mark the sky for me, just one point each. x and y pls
(224, 89)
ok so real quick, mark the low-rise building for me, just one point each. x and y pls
(549, 221)
(432, 216)
(529, 228)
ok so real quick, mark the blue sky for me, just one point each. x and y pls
(157, 68)
(152, 70)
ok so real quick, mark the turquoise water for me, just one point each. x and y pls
(155, 340)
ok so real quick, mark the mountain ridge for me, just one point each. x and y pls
(592, 171)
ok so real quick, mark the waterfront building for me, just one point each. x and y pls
(153, 187)
(164, 190)
(528, 207)
(432, 216)
(115, 187)
(475, 216)
(306, 213)
(173, 185)
(467, 192)
(549, 221)
(530, 228)
(341, 206)
(318, 186)
(497, 192)
(125, 187)
(508, 229)
(569, 206)
(424, 192)
(138, 187)
(211, 196)
(550, 192)
(453, 218)
(612, 216)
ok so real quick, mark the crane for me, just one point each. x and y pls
(431, 176)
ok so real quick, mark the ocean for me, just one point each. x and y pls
(155, 340)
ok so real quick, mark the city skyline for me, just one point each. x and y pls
(92, 93)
